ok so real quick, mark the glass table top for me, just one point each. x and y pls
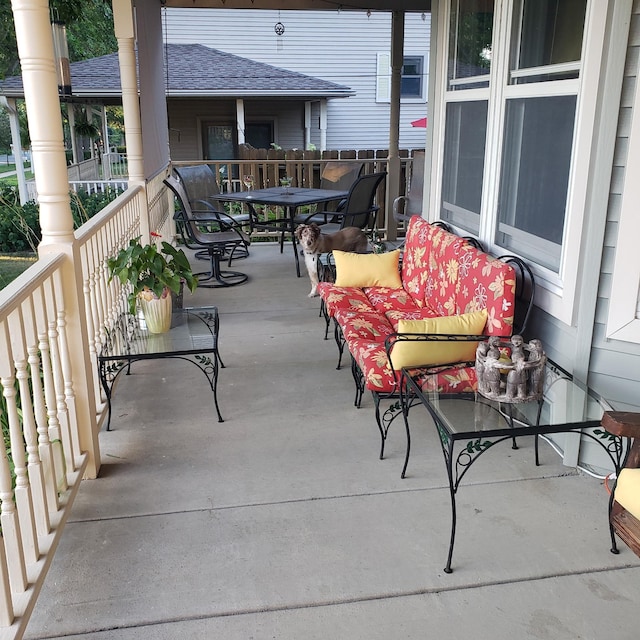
(193, 330)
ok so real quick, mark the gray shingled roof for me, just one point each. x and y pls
(196, 70)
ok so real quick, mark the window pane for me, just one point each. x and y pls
(470, 35)
(411, 82)
(536, 160)
(259, 134)
(464, 142)
(549, 33)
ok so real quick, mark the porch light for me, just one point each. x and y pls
(61, 52)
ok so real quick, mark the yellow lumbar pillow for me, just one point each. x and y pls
(628, 491)
(367, 269)
(413, 354)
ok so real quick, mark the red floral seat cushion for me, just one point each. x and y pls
(358, 325)
(384, 299)
(347, 298)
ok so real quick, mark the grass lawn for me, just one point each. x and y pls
(12, 265)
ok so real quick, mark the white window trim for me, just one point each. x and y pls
(623, 322)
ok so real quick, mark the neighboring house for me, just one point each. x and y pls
(345, 47)
(215, 100)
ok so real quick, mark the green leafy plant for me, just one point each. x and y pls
(147, 268)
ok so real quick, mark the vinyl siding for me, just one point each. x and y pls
(615, 365)
(339, 47)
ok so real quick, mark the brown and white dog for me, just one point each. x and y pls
(314, 242)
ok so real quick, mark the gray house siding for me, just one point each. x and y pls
(341, 47)
(615, 365)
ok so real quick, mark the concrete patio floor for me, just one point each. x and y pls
(283, 523)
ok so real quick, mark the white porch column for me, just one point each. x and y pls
(307, 124)
(35, 48)
(240, 120)
(123, 23)
(323, 124)
(105, 129)
(14, 125)
(393, 179)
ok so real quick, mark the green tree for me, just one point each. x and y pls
(89, 31)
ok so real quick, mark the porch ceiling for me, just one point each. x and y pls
(330, 5)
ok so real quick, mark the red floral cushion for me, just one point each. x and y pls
(348, 298)
(385, 299)
(394, 316)
(358, 325)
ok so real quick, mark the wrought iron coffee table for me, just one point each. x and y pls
(479, 423)
(193, 337)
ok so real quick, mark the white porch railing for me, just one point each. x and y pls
(42, 464)
(89, 186)
(115, 165)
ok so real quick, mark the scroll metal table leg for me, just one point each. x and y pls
(452, 493)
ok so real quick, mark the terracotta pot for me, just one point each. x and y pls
(156, 311)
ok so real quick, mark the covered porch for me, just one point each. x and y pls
(282, 521)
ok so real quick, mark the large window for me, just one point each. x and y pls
(516, 126)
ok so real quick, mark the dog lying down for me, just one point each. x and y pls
(314, 242)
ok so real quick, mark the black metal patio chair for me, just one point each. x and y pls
(200, 184)
(215, 235)
(339, 176)
(358, 210)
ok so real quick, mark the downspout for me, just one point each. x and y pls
(393, 179)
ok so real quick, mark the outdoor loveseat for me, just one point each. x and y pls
(420, 316)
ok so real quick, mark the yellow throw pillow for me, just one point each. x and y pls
(367, 269)
(413, 354)
(628, 490)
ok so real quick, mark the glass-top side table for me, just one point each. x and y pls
(193, 337)
(480, 423)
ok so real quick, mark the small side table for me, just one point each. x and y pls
(193, 337)
(478, 424)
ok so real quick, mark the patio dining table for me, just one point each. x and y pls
(290, 199)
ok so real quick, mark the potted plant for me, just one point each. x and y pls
(152, 274)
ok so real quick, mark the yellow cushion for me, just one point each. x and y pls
(628, 491)
(414, 354)
(367, 269)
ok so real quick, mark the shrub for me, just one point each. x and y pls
(20, 224)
